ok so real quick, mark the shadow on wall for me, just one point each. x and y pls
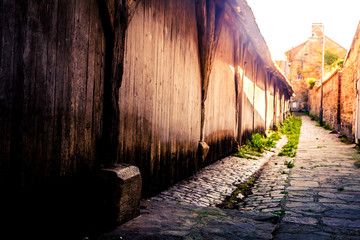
(219, 142)
(163, 159)
(253, 122)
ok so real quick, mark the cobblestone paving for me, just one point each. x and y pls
(169, 221)
(319, 198)
(324, 193)
(268, 193)
(212, 184)
(186, 210)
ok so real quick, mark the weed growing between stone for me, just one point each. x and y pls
(316, 118)
(346, 140)
(291, 128)
(356, 156)
(279, 213)
(327, 127)
(243, 189)
(289, 164)
(257, 145)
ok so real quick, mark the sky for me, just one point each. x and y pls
(287, 23)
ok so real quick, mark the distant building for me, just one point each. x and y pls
(341, 95)
(304, 63)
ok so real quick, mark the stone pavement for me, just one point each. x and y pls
(268, 193)
(187, 210)
(317, 199)
(181, 221)
(213, 183)
(324, 193)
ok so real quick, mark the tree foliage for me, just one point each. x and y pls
(330, 57)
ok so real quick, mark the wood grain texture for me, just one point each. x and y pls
(220, 105)
(49, 88)
(160, 96)
(91, 83)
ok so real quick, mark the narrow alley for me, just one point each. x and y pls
(320, 200)
(180, 119)
(324, 193)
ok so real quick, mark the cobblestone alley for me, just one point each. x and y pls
(324, 193)
(317, 199)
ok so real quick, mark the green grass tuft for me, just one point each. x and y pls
(291, 128)
(257, 145)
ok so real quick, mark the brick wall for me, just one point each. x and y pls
(330, 100)
(347, 101)
(349, 80)
(314, 101)
(340, 100)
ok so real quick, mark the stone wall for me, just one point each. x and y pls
(347, 100)
(330, 100)
(350, 89)
(340, 104)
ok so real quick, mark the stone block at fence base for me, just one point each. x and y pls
(121, 192)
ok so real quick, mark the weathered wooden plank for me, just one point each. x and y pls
(170, 31)
(29, 88)
(131, 137)
(184, 20)
(98, 92)
(42, 96)
(7, 14)
(221, 103)
(237, 79)
(50, 21)
(157, 116)
(130, 127)
(137, 85)
(163, 127)
(242, 95)
(91, 78)
(79, 88)
(140, 92)
(271, 103)
(162, 93)
(267, 79)
(254, 74)
(149, 77)
(64, 77)
(60, 75)
(209, 24)
(43, 85)
(99, 82)
(193, 65)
